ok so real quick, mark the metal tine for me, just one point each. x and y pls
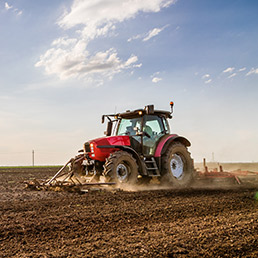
(58, 173)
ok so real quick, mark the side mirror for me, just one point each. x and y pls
(109, 128)
(103, 119)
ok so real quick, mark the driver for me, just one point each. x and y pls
(130, 130)
(147, 129)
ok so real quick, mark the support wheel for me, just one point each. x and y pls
(177, 166)
(121, 167)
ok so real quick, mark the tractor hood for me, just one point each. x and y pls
(108, 144)
(112, 140)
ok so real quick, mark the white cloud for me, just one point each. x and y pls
(135, 37)
(229, 70)
(156, 79)
(99, 13)
(232, 75)
(154, 32)
(242, 69)
(64, 42)
(147, 36)
(131, 60)
(69, 57)
(16, 11)
(138, 65)
(205, 76)
(7, 6)
(252, 71)
(76, 63)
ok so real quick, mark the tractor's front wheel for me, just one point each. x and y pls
(177, 166)
(121, 167)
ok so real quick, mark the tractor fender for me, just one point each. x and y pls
(167, 140)
(142, 169)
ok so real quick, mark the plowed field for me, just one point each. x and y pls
(210, 222)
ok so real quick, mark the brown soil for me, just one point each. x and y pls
(160, 223)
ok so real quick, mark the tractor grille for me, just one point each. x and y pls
(86, 147)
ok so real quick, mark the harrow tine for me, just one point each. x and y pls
(68, 176)
(58, 173)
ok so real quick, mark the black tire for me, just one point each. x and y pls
(177, 166)
(121, 167)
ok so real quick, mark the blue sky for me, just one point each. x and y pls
(65, 63)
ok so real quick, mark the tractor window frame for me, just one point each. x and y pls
(165, 125)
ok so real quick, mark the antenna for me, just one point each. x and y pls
(33, 152)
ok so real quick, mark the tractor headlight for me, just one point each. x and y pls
(92, 148)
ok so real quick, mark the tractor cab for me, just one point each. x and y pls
(145, 127)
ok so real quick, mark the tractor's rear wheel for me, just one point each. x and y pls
(177, 166)
(121, 167)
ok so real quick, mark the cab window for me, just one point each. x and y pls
(154, 125)
(126, 126)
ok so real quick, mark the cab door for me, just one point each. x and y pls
(153, 129)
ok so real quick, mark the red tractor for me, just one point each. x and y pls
(137, 147)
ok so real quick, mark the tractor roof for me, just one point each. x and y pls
(140, 112)
(148, 110)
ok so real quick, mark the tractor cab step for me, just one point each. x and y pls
(151, 166)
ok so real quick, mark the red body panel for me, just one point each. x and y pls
(161, 145)
(102, 153)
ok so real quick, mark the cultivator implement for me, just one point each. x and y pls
(68, 180)
(221, 177)
(217, 174)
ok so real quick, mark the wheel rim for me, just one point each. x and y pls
(177, 166)
(122, 173)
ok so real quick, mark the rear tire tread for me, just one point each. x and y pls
(167, 177)
(113, 160)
